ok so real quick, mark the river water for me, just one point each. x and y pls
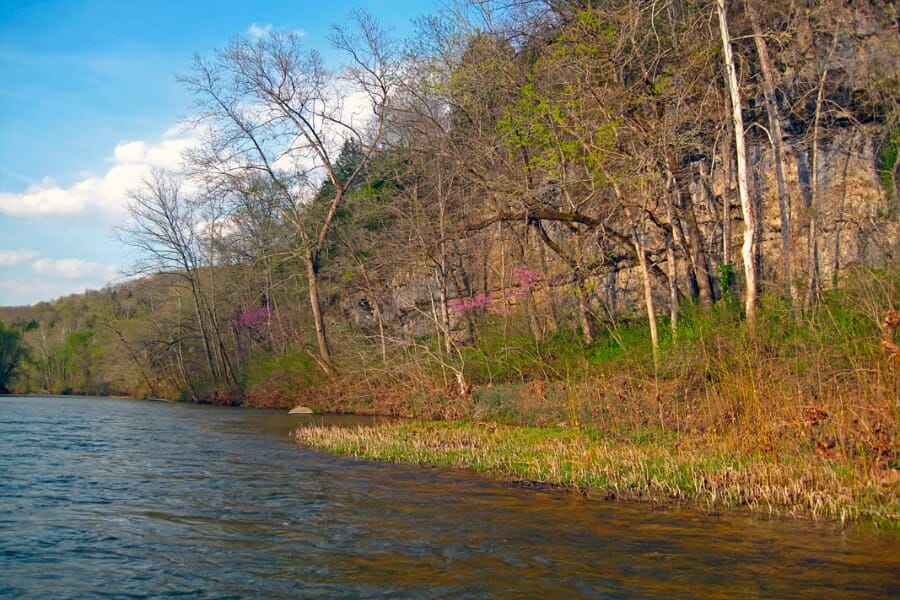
(108, 498)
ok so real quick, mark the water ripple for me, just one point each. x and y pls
(123, 499)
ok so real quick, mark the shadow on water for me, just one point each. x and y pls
(112, 498)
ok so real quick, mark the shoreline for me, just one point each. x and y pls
(702, 472)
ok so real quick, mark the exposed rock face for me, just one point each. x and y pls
(408, 306)
(857, 224)
(857, 219)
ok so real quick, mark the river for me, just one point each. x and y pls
(105, 498)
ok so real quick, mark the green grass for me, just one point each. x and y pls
(636, 465)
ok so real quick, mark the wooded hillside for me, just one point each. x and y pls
(521, 193)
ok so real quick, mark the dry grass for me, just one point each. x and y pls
(799, 416)
(705, 471)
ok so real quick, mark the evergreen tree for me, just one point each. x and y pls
(12, 356)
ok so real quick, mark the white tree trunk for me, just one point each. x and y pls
(748, 249)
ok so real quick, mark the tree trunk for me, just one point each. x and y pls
(836, 254)
(551, 297)
(670, 258)
(813, 283)
(728, 167)
(588, 325)
(673, 283)
(312, 274)
(444, 305)
(376, 307)
(748, 249)
(154, 391)
(696, 255)
(775, 136)
(207, 346)
(648, 297)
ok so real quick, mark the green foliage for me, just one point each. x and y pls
(276, 379)
(727, 281)
(12, 356)
(75, 346)
(77, 363)
(349, 159)
(588, 40)
(545, 128)
(502, 356)
(622, 342)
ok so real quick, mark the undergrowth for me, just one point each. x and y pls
(803, 406)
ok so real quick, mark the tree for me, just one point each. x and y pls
(748, 249)
(165, 228)
(775, 134)
(12, 356)
(278, 113)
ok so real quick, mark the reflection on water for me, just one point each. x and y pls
(113, 498)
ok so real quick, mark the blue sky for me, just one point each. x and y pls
(89, 103)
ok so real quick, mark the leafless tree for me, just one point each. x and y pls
(748, 209)
(164, 228)
(275, 110)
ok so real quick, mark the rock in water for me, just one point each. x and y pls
(301, 410)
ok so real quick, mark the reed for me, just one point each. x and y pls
(709, 473)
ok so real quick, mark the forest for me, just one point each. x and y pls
(670, 213)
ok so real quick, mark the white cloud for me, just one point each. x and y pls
(20, 292)
(25, 292)
(356, 108)
(40, 200)
(259, 31)
(168, 153)
(53, 278)
(74, 269)
(127, 152)
(13, 258)
(103, 197)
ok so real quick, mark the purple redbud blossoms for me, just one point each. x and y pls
(525, 279)
(254, 316)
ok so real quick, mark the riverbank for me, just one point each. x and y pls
(704, 471)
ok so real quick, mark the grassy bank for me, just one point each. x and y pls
(797, 416)
(649, 465)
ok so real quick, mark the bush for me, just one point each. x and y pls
(279, 381)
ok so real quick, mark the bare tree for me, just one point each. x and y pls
(748, 249)
(163, 227)
(276, 111)
(775, 137)
(813, 283)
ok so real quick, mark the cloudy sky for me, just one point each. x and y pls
(89, 104)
